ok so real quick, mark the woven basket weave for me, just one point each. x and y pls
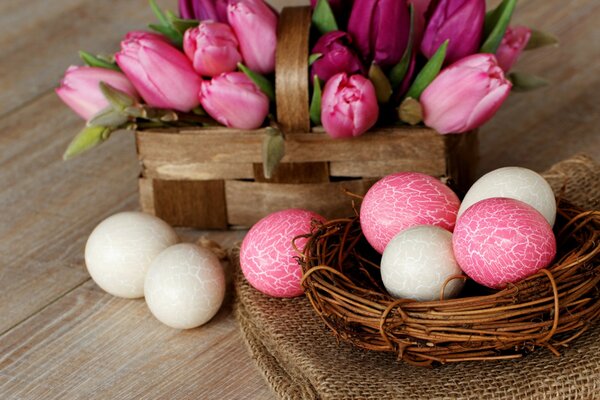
(301, 359)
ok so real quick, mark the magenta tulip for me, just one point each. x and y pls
(380, 29)
(212, 47)
(465, 95)
(513, 43)
(336, 56)
(235, 101)
(255, 25)
(348, 106)
(163, 75)
(461, 22)
(214, 10)
(80, 89)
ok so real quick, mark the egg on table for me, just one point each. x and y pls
(418, 261)
(500, 240)
(185, 286)
(267, 256)
(402, 200)
(516, 183)
(121, 248)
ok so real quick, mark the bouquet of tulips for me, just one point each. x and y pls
(445, 63)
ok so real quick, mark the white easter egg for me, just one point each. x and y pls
(185, 286)
(514, 183)
(120, 249)
(417, 262)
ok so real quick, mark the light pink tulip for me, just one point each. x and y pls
(212, 47)
(80, 89)
(465, 95)
(348, 106)
(163, 75)
(235, 101)
(513, 43)
(255, 25)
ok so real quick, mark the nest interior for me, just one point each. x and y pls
(549, 309)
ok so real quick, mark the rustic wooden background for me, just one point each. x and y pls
(60, 335)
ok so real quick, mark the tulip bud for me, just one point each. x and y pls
(163, 75)
(465, 95)
(380, 29)
(234, 100)
(348, 106)
(461, 22)
(336, 56)
(80, 89)
(513, 43)
(212, 47)
(214, 10)
(255, 25)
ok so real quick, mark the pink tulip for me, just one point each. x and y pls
(214, 10)
(514, 41)
(348, 106)
(465, 95)
(255, 25)
(163, 75)
(212, 47)
(336, 56)
(460, 21)
(235, 101)
(80, 89)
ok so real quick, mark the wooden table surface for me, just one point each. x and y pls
(61, 336)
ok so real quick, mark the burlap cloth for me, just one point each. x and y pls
(300, 359)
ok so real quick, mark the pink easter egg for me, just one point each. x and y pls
(267, 256)
(404, 200)
(500, 240)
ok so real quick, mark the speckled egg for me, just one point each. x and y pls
(417, 262)
(515, 183)
(185, 286)
(499, 241)
(403, 200)
(121, 248)
(267, 256)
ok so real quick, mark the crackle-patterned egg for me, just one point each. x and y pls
(120, 249)
(267, 257)
(515, 183)
(185, 286)
(403, 200)
(417, 262)
(500, 240)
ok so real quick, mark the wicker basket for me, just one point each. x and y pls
(549, 309)
(212, 177)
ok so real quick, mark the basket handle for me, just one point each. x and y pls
(291, 69)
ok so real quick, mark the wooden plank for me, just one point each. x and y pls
(247, 202)
(462, 155)
(89, 344)
(226, 145)
(146, 195)
(295, 173)
(198, 204)
(196, 171)
(378, 169)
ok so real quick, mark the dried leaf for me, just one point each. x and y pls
(410, 111)
(540, 39)
(526, 82)
(383, 88)
(273, 151)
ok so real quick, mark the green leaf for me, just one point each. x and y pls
(410, 111)
(263, 83)
(314, 57)
(498, 22)
(89, 137)
(273, 151)
(95, 61)
(160, 15)
(383, 88)
(540, 39)
(175, 37)
(181, 25)
(109, 118)
(398, 72)
(118, 99)
(526, 82)
(323, 18)
(428, 73)
(315, 103)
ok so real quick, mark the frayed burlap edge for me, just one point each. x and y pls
(301, 360)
